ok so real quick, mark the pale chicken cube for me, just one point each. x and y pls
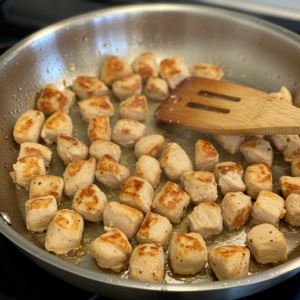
(114, 68)
(45, 185)
(147, 263)
(287, 144)
(175, 161)
(154, 229)
(206, 156)
(229, 262)
(40, 212)
(171, 202)
(229, 176)
(78, 175)
(90, 202)
(88, 86)
(26, 168)
(70, 149)
(289, 185)
(53, 100)
(206, 219)
(173, 70)
(187, 253)
(99, 148)
(207, 71)
(292, 206)
(134, 108)
(111, 250)
(148, 168)
(96, 106)
(294, 159)
(28, 127)
(156, 89)
(56, 124)
(267, 244)
(259, 136)
(201, 186)
(64, 233)
(99, 129)
(35, 149)
(137, 193)
(145, 65)
(257, 150)
(123, 217)
(110, 173)
(127, 132)
(258, 177)
(127, 86)
(236, 209)
(151, 145)
(283, 95)
(231, 143)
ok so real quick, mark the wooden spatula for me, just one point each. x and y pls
(225, 108)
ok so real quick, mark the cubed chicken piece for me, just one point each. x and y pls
(134, 108)
(154, 229)
(123, 217)
(145, 65)
(206, 219)
(137, 193)
(64, 232)
(295, 164)
(111, 250)
(171, 202)
(267, 244)
(90, 203)
(231, 143)
(147, 263)
(206, 156)
(110, 173)
(114, 68)
(40, 212)
(236, 209)
(127, 132)
(207, 71)
(257, 150)
(229, 262)
(201, 186)
(148, 168)
(173, 70)
(289, 185)
(157, 89)
(70, 149)
(151, 145)
(187, 254)
(53, 100)
(99, 129)
(26, 168)
(229, 176)
(287, 144)
(292, 206)
(127, 86)
(35, 149)
(56, 124)
(259, 136)
(88, 86)
(78, 175)
(99, 148)
(283, 95)
(46, 185)
(258, 177)
(28, 127)
(175, 161)
(268, 208)
(96, 106)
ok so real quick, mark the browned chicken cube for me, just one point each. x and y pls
(127, 86)
(134, 108)
(99, 129)
(206, 156)
(151, 145)
(207, 71)
(145, 65)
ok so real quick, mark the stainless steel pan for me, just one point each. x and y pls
(251, 52)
